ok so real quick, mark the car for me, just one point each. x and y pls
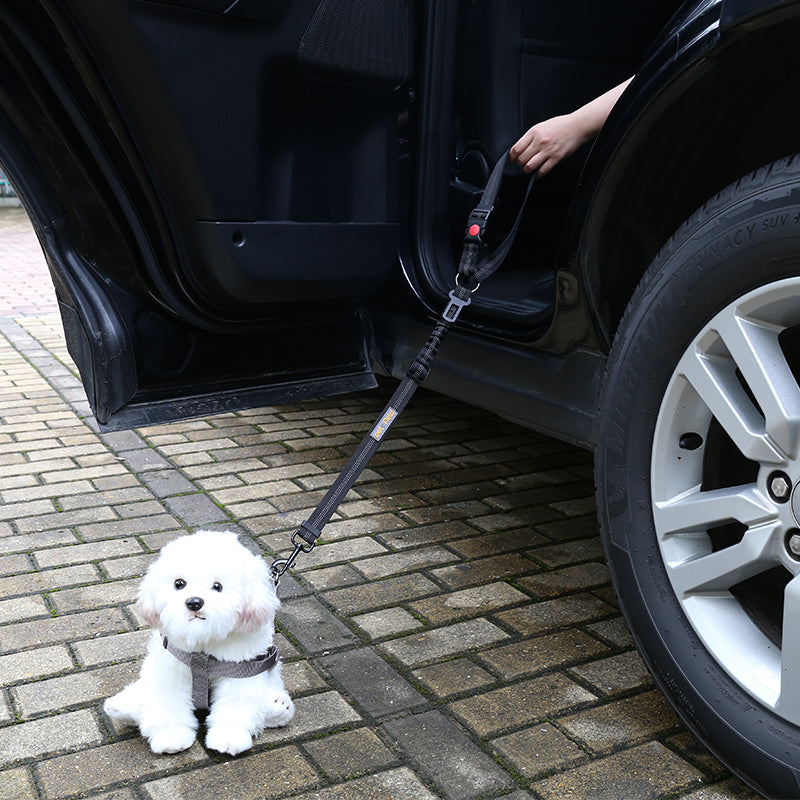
(255, 201)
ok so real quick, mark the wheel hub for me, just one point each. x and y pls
(730, 535)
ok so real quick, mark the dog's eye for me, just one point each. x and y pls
(180, 583)
(217, 586)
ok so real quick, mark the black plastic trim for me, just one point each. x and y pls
(137, 415)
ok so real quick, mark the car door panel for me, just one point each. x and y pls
(307, 262)
(290, 140)
(200, 182)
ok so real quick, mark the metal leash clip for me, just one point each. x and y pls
(303, 543)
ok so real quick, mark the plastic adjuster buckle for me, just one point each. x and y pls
(474, 233)
(476, 225)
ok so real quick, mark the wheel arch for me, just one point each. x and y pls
(728, 99)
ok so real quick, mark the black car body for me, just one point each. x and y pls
(250, 202)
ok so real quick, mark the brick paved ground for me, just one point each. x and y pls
(454, 637)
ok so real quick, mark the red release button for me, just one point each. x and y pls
(474, 230)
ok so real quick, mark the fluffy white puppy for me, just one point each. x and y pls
(209, 599)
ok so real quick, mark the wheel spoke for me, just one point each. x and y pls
(756, 351)
(698, 511)
(714, 378)
(789, 699)
(718, 571)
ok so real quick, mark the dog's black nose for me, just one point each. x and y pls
(194, 603)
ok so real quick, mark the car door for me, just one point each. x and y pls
(215, 185)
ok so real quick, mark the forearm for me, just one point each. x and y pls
(591, 117)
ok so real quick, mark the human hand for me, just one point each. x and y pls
(547, 143)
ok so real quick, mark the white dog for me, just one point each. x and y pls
(212, 604)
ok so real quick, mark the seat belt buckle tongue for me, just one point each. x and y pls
(455, 306)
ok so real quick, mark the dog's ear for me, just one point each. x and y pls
(146, 601)
(148, 613)
(259, 600)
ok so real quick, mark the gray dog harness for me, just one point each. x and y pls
(204, 666)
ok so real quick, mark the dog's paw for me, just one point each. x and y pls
(172, 740)
(279, 711)
(121, 712)
(228, 739)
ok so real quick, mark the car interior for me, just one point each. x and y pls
(519, 62)
(296, 161)
(285, 186)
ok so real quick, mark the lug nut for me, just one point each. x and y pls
(794, 544)
(780, 487)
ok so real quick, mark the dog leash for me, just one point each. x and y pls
(472, 270)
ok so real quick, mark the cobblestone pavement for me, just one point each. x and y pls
(454, 637)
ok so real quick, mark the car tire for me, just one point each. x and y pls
(698, 457)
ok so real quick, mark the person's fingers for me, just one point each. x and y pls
(532, 150)
(534, 161)
(520, 152)
(526, 146)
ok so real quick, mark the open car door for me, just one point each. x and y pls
(215, 187)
